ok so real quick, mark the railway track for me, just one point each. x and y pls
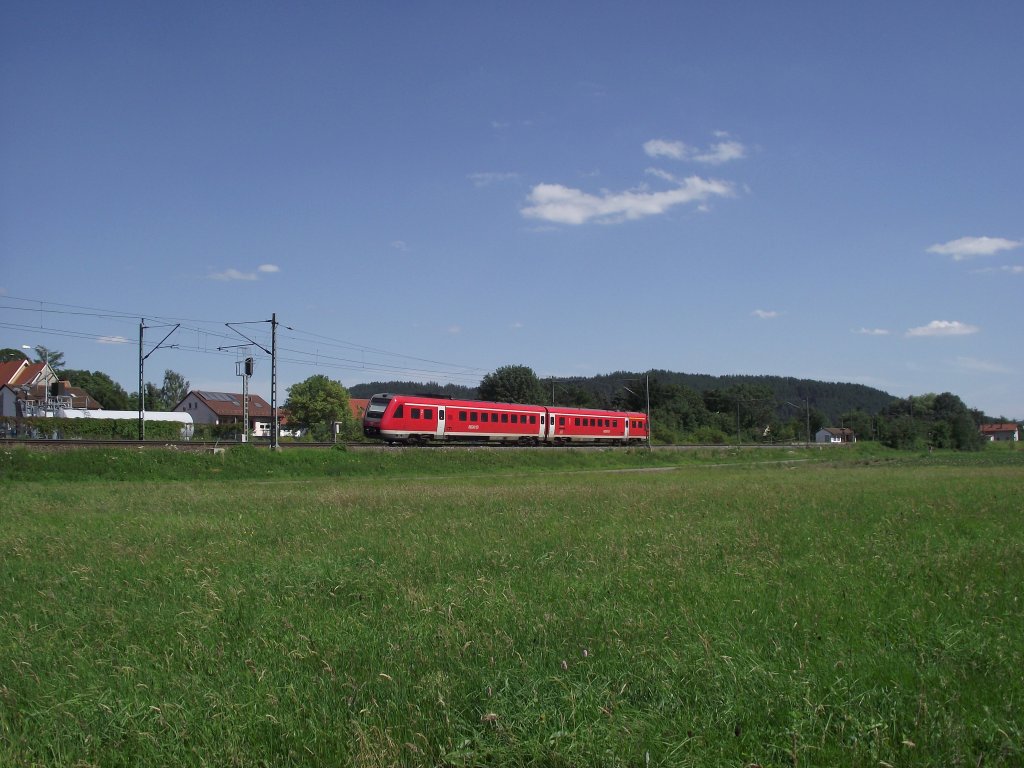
(209, 446)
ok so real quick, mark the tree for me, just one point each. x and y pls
(174, 389)
(512, 384)
(10, 354)
(52, 357)
(103, 389)
(317, 403)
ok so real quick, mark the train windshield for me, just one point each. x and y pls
(377, 407)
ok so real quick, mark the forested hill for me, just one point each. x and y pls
(832, 399)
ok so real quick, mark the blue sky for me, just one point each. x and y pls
(433, 190)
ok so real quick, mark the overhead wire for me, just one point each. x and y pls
(391, 364)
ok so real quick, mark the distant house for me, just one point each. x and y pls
(358, 407)
(999, 433)
(226, 408)
(835, 435)
(21, 382)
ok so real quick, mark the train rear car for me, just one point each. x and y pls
(588, 426)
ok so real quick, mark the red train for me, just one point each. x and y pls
(419, 419)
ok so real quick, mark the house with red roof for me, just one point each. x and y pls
(999, 433)
(22, 381)
(208, 407)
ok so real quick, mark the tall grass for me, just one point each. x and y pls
(729, 615)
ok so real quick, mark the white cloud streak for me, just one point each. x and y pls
(111, 340)
(564, 205)
(944, 328)
(872, 332)
(716, 154)
(233, 274)
(765, 314)
(971, 247)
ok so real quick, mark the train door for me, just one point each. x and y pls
(439, 432)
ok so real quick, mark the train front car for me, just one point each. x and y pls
(413, 419)
(374, 415)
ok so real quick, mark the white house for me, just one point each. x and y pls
(835, 435)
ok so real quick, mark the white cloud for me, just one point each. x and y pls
(765, 314)
(970, 247)
(233, 274)
(111, 340)
(944, 328)
(873, 332)
(454, 330)
(565, 205)
(237, 274)
(676, 150)
(722, 152)
(400, 245)
(718, 153)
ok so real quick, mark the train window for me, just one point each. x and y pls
(462, 415)
(607, 422)
(473, 415)
(577, 422)
(440, 415)
(593, 422)
(515, 418)
(533, 418)
(561, 421)
(414, 413)
(615, 423)
(504, 418)
(428, 414)
(400, 412)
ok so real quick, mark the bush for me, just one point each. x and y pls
(89, 429)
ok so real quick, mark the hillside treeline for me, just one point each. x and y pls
(694, 408)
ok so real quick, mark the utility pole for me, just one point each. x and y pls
(647, 387)
(276, 445)
(275, 431)
(142, 360)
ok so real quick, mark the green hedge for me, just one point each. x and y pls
(96, 429)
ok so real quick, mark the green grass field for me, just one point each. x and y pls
(511, 609)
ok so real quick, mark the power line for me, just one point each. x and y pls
(370, 360)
